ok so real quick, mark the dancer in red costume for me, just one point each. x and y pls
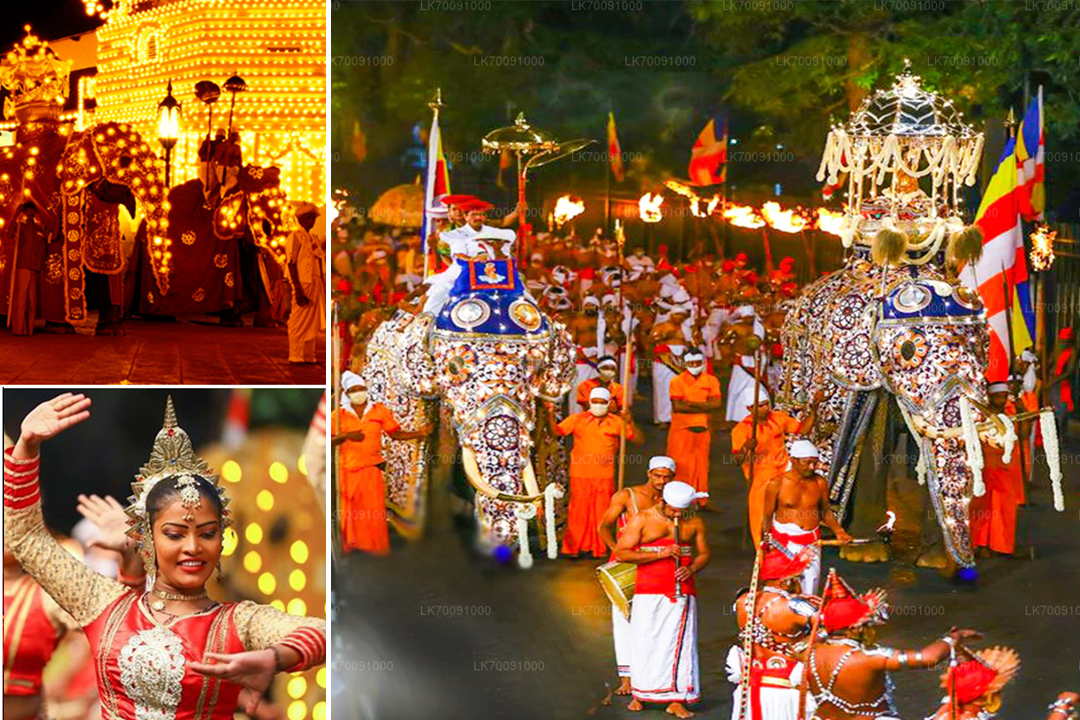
(172, 652)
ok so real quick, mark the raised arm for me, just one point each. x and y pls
(923, 659)
(77, 589)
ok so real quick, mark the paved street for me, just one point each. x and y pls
(158, 353)
(433, 632)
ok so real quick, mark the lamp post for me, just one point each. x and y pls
(168, 127)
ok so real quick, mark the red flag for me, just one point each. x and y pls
(708, 159)
(614, 151)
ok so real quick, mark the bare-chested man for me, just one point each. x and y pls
(583, 329)
(669, 549)
(668, 341)
(625, 505)
(796, 506)
(848, 671)
(779, 630)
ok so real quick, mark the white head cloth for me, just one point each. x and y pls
(658, 462)
(680, 495)
(803, 449)
(762, 397)
(349, 379)
(599, 393)
(743, 311)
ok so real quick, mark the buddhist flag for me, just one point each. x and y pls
(708, 159)
(1001, 274)
(613, 149)
(1030, 161)
(438, 180)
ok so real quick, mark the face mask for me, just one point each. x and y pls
(359, 397)
(607, 374)
(598, 410)
(695, 371)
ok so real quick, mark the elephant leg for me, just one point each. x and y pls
(870, 493)
(99, 295)
(441, 500)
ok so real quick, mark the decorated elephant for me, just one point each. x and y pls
(220, 250)
(486, 357)
(76, 180)
(896, 321)
(866, 333)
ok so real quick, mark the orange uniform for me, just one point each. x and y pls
(689, 437)
(992, 517)
(363, 489)
(614, 388)
(592, 478)
(770, 458)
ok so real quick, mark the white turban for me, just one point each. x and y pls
(658, 462)
(803, 449)
(607, 361)
(599, 393)
(763, 397)
(681, 296)
(680, 495)
(693, 354)
(997, 387)
(590, 300)
(743, 311)
(349, 379)
(667, 290)
(305, 208)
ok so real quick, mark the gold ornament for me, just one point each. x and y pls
(172, 455)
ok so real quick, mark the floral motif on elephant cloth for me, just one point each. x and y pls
(188, 238)
(909, 349)
(845, 315)
(460, 363)
(221, 260)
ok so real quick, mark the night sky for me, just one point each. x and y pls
(49, 19)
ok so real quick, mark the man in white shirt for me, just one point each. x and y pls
(307, 321)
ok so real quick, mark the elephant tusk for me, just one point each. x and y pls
(472, 472)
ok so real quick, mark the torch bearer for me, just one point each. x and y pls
(208, 92)
(532, 148)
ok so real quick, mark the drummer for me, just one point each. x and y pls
(625, 504)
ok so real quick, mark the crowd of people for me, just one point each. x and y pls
(702, 338)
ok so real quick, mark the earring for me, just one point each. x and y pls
(220, 576)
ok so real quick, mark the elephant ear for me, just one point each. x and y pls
(558, 372)
(413, 361)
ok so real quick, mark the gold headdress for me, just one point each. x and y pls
(172, 456)
(35, 78)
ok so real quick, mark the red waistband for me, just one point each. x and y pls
(804, 538)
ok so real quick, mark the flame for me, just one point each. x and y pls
(829, 221)
(743, 216)
(567, 207)
(1042, 248)
(790, 221)
(888, 526)
(649, 207)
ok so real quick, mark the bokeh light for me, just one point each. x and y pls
(297, 607)
(254, 533)
(265, 500)
(229, 541)
(267, 583)
(253, 561)
(297, 688)
(231, 471)
(297, 580)
(297, 710)
(279, 473)
(299, 552)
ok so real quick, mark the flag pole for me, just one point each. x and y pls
(435, 105)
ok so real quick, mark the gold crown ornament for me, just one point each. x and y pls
(171, 456)
(35, 78)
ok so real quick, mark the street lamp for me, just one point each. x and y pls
(168, 127)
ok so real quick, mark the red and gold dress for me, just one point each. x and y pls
(142, 664)
(33, 625)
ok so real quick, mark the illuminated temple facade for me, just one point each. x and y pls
(278, 47)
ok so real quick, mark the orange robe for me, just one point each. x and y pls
(586, 387)
(992, 517)
(770, 459)
(592, 478)
(689, 438)
(363, 489)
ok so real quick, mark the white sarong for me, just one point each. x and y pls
(620, 629)
(664, 654)
(779, 698)
(740, 391)
(662, 376)
(812, 572)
